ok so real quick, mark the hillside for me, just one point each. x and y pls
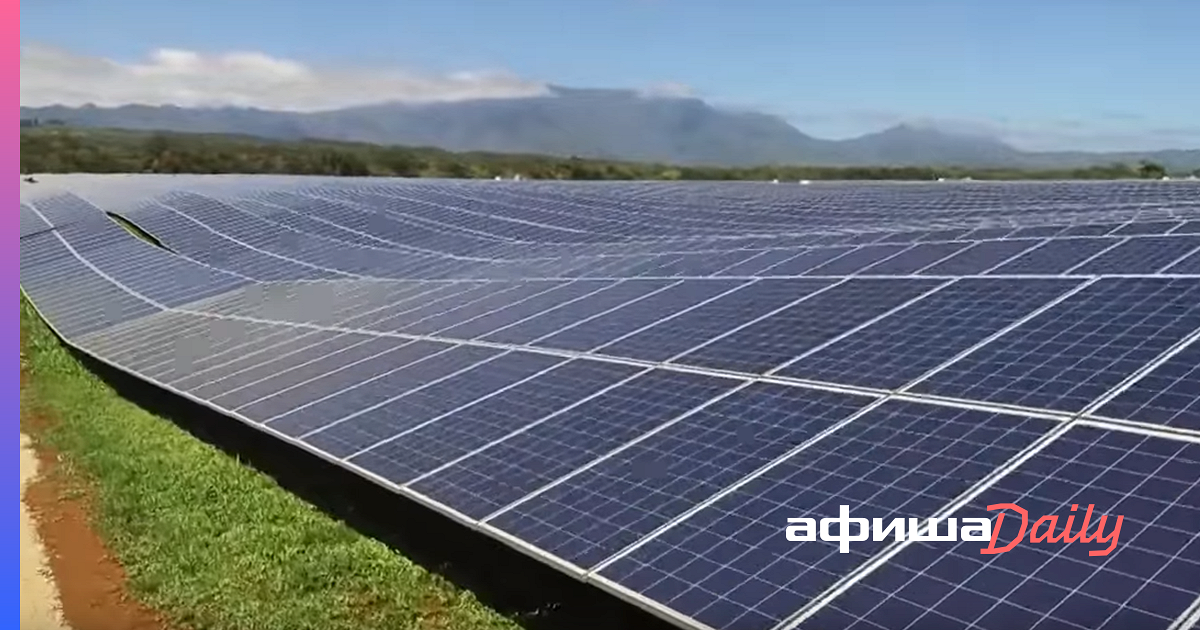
(62, 149)
(602, 124)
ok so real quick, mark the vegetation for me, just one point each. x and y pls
(211, 543)
(58, 149)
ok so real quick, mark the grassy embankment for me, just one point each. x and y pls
(207, 541)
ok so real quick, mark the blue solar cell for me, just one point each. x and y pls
(372, 389)
(988, 233)
(730, 566)
(248, 355)
(914, 259)
(1188, 265)
(565, 315)
(1072, 354)
(1091, 229)
(143, 268)
(282, 384)
(1149, 227)
(1168, 395)
(787, 334)
(592, 333)
(521, 463)
(1149, 254)
(421, 313)
(856, 260)
(214, 342)
(1147, 580)
(765, 260)
(273, 404)
(70, 294)
(943, 235)
(1188, 227)
(31, 222)
(525, 309)
(979, 258)
(1056, 257)
(921, 336)
(424, 401)
(62, 209)
(403, 458)
(600, 511)
(482, 307)
(275, 360)
(1038, 231)
(805, 261)
(669, 339)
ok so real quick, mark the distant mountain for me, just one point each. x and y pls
(596, 123)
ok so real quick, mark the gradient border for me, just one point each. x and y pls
(12, 162)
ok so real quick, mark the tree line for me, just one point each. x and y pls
(56, 149)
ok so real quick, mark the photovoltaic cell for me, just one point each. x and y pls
(282, 383)
(806, 261)
(532, 307)
(403, 458)
(706, 322)
(598, 512)
(368, 426)
(1149, 578)
(1056, 257)
(730, 566)
(1150, 227)
(304, 351)
(521, 463)
(1091, 229)
(914, 259)
(758, 264)
(1140, 255)
(1168, 395)
(556, 319)
(1077, 351)
(595, 332)
(780, 337)
(272, 403)
(919, 337)
(857, 260)
(1188, 265)
(378, 389)
(979, 258)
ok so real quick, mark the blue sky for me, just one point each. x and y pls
(1095, 74)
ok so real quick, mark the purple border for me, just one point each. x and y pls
(12, 165)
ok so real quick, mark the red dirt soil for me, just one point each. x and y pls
(91, 584)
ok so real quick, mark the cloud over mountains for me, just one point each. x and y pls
(51, 76)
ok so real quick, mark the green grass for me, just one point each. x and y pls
(209, 542)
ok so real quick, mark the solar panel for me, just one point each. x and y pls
(1166, 395)
(1070, 355)
(640, 383)
(770, 342)
(729, 565)
(1148, 580)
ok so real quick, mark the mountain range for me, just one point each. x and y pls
(600, 123)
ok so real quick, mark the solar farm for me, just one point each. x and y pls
(638, 384)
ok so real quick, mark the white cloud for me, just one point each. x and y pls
(248, 79)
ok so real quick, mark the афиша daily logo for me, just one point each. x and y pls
(1044, 529)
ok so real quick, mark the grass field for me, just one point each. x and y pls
(211, 543)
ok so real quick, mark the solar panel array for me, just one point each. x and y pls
(640, 383)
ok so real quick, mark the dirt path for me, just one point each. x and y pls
(39, 594)
(69, 581)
